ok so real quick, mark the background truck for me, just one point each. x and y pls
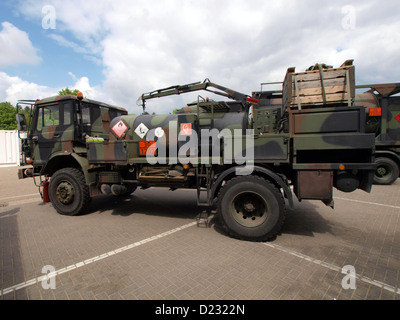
(245, 155)
(383, 120)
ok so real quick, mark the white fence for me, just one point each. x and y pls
(9, 148)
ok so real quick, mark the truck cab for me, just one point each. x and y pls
(59, 128)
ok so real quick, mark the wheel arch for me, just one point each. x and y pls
(69, 160)
(257, 171)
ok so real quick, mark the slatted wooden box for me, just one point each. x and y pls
(319, 87)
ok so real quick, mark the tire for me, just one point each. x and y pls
(251, 208)
(68, 191)
(387, 171)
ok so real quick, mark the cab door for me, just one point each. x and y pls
(53, 131)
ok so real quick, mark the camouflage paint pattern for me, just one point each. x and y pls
(385, 123)
(75, 98)
(204, 120)
(325, 139)
(60, 138)
(314, 140)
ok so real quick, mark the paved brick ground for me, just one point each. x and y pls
(192, 262)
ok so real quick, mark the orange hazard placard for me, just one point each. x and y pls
(186, 129)
(147, 147)
(375, 112)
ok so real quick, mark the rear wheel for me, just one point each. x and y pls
(68, 191)
(386, 171)
(251, 208)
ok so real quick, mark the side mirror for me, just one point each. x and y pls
(21, 122)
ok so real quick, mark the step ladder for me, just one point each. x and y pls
(203, 172)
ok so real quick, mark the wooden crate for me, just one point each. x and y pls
(319, 87)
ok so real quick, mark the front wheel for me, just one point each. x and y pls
(68, 191)
(251, 208)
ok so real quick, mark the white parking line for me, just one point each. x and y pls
(21, 196)
(91, 260)
(366, 202)
(334, 268)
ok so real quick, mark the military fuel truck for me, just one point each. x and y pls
(244, 155)
(383, 119)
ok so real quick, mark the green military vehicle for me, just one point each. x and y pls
(383, 119)
(382, 104)
(245, 154)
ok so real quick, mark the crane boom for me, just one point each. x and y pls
(195, 86)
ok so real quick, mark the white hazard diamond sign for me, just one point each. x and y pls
(119, 128)
(141, 130)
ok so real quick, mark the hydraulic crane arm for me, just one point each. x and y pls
(196, 86)
(385, 89)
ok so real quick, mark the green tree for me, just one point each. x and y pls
(68, 91)
(7, 116)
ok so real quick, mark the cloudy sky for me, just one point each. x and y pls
(114, 51)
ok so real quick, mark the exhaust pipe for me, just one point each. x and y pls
(118, 189)
(105, 189)
(115, 189)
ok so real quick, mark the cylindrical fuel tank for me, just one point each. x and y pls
(183, 134)
(188, 122)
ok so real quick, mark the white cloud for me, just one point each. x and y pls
(66, 43)
(91, 92)
(239, 44)
(146, 45)
(73, 77)
(16, 48)
(86, 52)
(13, 89)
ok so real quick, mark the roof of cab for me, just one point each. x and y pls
(73, 97)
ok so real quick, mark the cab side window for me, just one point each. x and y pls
(48, 116)
(67, 114)
(54, 115)
(85, 114)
